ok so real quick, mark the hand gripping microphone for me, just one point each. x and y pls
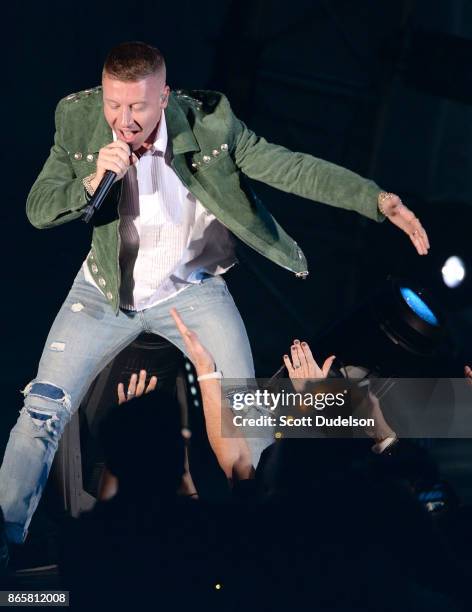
(100, 193)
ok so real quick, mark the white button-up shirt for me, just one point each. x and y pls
(168, 239)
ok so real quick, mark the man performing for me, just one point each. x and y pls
(161, 240)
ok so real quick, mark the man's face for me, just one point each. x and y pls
(133, 108)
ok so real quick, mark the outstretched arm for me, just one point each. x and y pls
(232, 453)
(319, 180)
(108, 484)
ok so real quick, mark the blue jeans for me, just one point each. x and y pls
(85, 336)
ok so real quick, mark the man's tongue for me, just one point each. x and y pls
(128, 135)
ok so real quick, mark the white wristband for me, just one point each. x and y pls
(209, 376)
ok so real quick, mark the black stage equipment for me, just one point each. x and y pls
(398, 331)
(78, 463)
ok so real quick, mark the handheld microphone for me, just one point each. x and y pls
(101, 193)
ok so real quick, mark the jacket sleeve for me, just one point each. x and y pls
(57, 195)
(302, 174)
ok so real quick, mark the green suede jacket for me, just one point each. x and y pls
(212, 150)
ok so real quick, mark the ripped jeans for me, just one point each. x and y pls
(85, 336)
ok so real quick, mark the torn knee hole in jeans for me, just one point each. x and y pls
(47, 391)
(41, 419)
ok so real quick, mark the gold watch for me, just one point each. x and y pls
(87, 183)
(381, 198)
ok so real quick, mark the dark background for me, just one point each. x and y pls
(383, 87)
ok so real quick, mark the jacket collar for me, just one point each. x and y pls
(102, 135)
(178, 128)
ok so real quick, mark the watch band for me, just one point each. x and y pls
(86, 182)
(383, 195)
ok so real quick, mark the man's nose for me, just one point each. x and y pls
(126, 117)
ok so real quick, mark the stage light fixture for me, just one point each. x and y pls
(398, 330)
(453, 271)
(419, 306)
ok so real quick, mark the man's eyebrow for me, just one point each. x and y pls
(132, 104)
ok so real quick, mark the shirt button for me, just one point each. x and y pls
(109, 295)
(94, 268)
(102, 282)
(78, 155)
(224, 147)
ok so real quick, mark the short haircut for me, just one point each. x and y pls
(133, 61)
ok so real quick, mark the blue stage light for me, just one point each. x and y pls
(418, 306)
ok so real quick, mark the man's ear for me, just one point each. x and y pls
(164, 97)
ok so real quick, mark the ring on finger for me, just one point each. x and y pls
(130, 394)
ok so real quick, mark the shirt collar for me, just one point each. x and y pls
(160, 144)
